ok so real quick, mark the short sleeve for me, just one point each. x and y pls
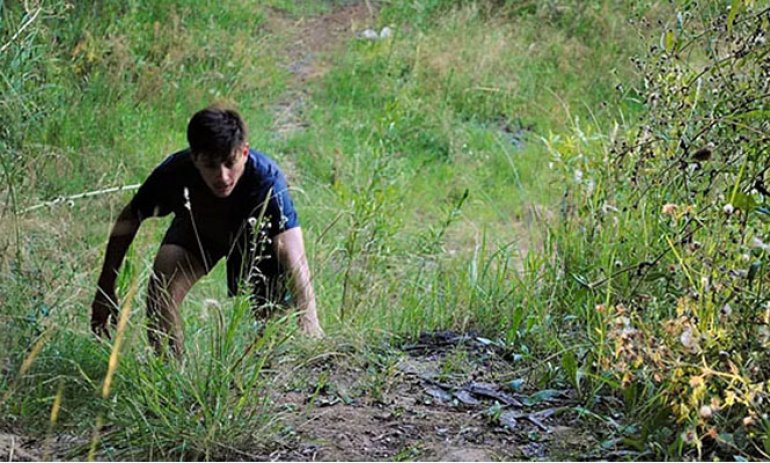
(154, 196)
(280, 208)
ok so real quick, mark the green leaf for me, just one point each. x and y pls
(744, 202)
(570, 367)
(756, 113)
(764, 214)
(582, 280)
(735, 8)
(541, 396)
(669, 40)
(652, 276)
(753, 269)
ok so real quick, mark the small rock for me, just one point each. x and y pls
(467, 454)
(508, 419)
(466, 398)
(533, 450)
(369, 34)
(438, 394)
(516, 385)
(386, 32)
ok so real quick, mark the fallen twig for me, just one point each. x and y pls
(87, 194)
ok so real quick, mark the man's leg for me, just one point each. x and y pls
(261, 277)
(175, 271)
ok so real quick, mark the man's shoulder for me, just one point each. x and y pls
(176, 160)
(175, 167)
(263, 165)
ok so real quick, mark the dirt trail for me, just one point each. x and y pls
(441, 399)
(306, 51)
(418, 408)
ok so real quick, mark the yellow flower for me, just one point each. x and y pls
(696, 381)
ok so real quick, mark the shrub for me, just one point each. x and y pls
(666, 234)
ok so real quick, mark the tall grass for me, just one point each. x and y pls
(664, 242)
(422, 181)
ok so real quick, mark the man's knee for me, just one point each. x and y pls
(173, 260)
(175, 270)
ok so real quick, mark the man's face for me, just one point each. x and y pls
(221, 177)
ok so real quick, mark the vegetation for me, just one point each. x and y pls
(675, 213)
(582, 180)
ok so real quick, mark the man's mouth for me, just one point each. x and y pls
(222, 188)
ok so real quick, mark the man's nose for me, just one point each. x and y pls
(223, 173)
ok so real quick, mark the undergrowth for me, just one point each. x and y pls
(662, 245)
(466, 173)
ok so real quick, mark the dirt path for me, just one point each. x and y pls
(434, 401)
(444, 398)
(306, 51)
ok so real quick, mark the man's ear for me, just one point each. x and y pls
(245, 150)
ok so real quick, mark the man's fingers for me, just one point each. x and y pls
(103, 332)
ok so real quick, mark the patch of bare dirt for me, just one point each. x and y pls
(441, 399)
(305, 53)
(310, 38)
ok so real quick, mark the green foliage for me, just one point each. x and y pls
(209, 407)
(81, 92)
(664, 235)
(421, 179)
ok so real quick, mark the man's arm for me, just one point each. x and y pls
(290, 249)
(104, 308)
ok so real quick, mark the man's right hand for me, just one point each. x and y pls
(104, 312)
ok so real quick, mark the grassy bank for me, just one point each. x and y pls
(453, 176)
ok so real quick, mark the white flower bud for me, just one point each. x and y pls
(186, 193)
(758, 244)
(669, 209)
(728, 209)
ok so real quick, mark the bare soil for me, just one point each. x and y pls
(443, 399)
(446, 397)
(17, 448)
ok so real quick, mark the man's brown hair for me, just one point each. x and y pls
(215, 132)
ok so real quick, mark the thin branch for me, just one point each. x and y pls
(21, 29)
(87, 194)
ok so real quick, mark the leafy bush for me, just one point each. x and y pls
(664, 242)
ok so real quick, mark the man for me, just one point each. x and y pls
(229, 201)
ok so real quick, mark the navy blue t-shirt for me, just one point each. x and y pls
(176, 183)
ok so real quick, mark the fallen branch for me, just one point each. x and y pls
(87, 194)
